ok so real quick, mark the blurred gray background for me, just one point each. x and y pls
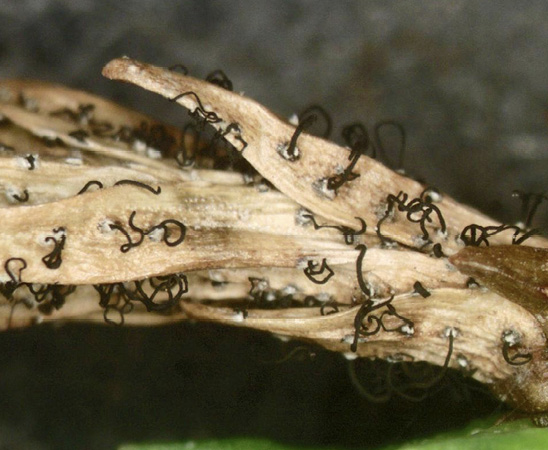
(467, 79)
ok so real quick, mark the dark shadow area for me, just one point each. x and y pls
(73, 387)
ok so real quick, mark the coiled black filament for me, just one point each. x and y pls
(219, 78)
(312, 272)
(149, 188)
(349, 233)
(476, 235)
(53, 260)
(417, 210)
(199, 113)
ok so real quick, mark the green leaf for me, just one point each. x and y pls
(217, 444)
(480, 435)
(485, 435)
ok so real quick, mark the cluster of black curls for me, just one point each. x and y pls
(322, 273)
(199, 139)
(477, 235)
(405, 378)
(406, 326)
(204, 146)
(357, 139)
(118, 298)
(155, 136)
(51, 297)
(420, 210)
(48, 297)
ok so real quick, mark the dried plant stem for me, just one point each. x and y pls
(236, 232)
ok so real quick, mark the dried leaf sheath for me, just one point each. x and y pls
(519, 273)
(235, 233)
(217, 236)
(264, 132)
(76, 109)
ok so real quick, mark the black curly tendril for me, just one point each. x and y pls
(359, 329)
(50, 296)
(312, 272)
(53, 259)
(328, 308)
(166, 226)
(318, 111)
(406, 328)
(370, 305)
(88, 185)
(122, 304)
(262, 296)
(359, 270)
(153, 135)
(219, 78)
(337, 181)
(379, 144)
(233, 128)
(203, 116)
(167, 233)
(289, 151)
(438, 251)
(124, 248)
(357, 139)
(200, 114)
(349, 233)
(530, 201)
(511, 339)
(139, 184)
(47, 296)
(22, 198)
(31, 159)
(8, 288)
(174, 286)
